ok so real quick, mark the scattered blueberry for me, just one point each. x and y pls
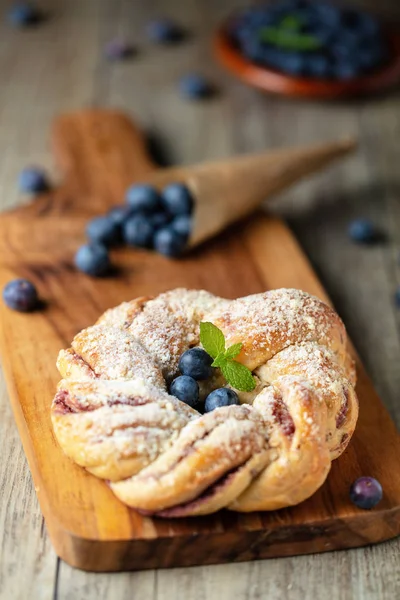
(24, 14)
(93, 259)
(177, 199)
(20, 295)
(196, 363)
(169, 243)
(366, 492)
(143, 198)
(182, 225)
(32, 180)
(194, 86)
(164, 31)
(137, 231)
(397, 297)
(118, 50)
(185, 389)
(363, 231)
(219, 398)
(104, 230)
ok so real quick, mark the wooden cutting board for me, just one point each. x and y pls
(100, 153)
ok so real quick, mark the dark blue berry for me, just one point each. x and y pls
(160, 219)
(169, 243)
(104, 230)
(345, 70)
(23, 15)
(164, 31)
(194, 86)
(327, 14)
(185, 389)
(119, 214)
(182, 225)
(397, 297)
(32, 180)
(138, 231)
(177, 199)
(219, 398)
(196, 363)
(118, 50)
(143, 198)
(318, 66)
(363, 231)
(93, 259)
(20, 295)
(366, 492)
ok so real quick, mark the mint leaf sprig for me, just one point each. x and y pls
(237, 375)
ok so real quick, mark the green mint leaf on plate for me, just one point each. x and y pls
(238, 376)
(212, 339)
(233, 351)
(288, 39)
(292, 22)
(219, 360)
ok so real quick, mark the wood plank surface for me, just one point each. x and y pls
(72, 75)
(101, 153)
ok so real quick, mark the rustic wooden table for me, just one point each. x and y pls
(59, 67)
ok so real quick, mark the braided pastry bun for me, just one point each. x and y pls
(112, 413)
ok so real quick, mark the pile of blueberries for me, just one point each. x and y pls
(313, 39)
(195, 365)
(161, 221)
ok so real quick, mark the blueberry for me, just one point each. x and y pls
(32, 180)
(397, 297)
(168, 242)
(186, 389)
(138, 231)
(20, 295)
(23, 15)
(164, 31)
(93, 259)
(177, 199)
(292, 63)
(327, 14)
(119, 214)
(160, 219)
(118, 50)
(363, 231)
(194, 86)
(219, 398)
(366, 492)
(182, 225)
(345, 70)
(196, 363)
(103, 230)
(143, 198)
(317, 65)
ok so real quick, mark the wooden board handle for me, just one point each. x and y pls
(99, 152)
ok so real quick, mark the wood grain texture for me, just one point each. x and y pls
(89, 527)
(360, 282)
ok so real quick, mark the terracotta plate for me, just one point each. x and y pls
(277, 82)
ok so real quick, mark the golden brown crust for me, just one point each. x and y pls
(113, 416)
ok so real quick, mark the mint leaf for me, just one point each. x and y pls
(233, 351)
(292, 22)
(212, 339)
(238, 376)
(289, 39)
(220, 360)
